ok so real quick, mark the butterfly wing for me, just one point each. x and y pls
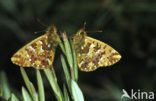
(39, 53)
(94, 54)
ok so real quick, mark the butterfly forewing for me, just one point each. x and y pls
(39, 53)
(93, 54)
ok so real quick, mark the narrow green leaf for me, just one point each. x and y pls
(76, 92)
(52, 80)
(28, 84)
(68, 54)
(26, 95)
(68, 50)
(35, 95)
(66, 97)
(62, 46)
(66, 72)
(40, 86)
(75, 62)
(53, 73)
(6, 93)
(26, 79)
(14, 98)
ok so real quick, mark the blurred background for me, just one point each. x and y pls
(128, 26)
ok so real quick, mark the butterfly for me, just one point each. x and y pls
(40, 52)
(91, 53)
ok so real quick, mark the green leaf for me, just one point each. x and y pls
(35, 95)
(26, 95)
(52, 80)
(68, 53)
(62, 46)
(26, 79)
(6, 93)
(76, 92)
(75, 62)
(40, 86)
(14, 98)
(66, 97)
(29, 85)
(67, 75)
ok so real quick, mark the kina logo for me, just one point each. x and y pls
(137, 95)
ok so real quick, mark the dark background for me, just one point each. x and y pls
(128, 26)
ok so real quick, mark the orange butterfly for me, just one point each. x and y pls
(40, 52)
(92, 53)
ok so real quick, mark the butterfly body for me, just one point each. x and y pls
(39, 53)
(92, 53)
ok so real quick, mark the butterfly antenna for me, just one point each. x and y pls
(38, 32)
(39, 21)
(99, 31)
(84, 27)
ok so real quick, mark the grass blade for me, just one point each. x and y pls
(6, 93)
(66, 97)
(26, 95)
(68, 50)
(68, 54)
(62, 46)
(76, 92)
(75, 62)
(52, 80)
(28, 84)
(26, 79)
(67, 75)
(40, 86)
(14, 98)
(35, 95)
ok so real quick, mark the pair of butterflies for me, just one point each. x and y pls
(91, 53)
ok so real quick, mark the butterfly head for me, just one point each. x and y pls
(78, 39)
(80, 35)
(81, 32)
(52, 35)
(51, 29)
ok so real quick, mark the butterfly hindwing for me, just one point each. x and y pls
(39, 53)
(93, 53)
